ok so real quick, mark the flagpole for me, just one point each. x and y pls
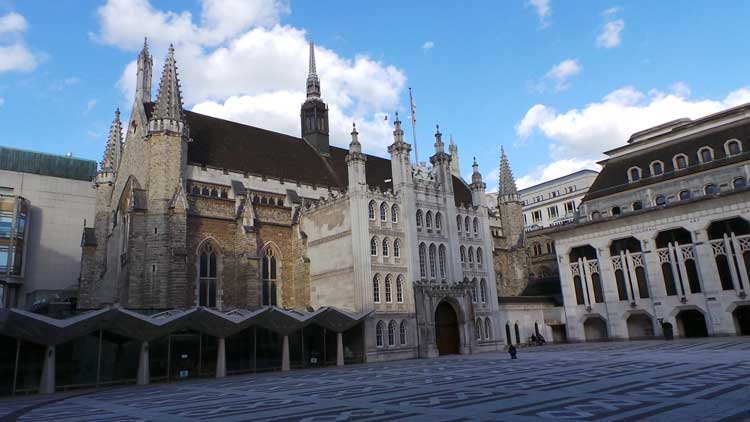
(413, 125)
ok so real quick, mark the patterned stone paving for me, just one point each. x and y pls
(698, 380)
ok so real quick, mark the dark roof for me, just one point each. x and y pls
(23, 161)
(241, 148)
(613, 177)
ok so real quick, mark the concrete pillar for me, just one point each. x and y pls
(47, 383)
(285, 354)
(221, 359)
(143, 368)
(339, 349)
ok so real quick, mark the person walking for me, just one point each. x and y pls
(512, 351)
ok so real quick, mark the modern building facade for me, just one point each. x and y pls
(556, 201)
(45, 199)
(662, 245)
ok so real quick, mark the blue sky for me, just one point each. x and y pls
(557, 83)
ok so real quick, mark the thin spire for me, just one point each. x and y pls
(439, 147)
(313, 83)
(114, 145)
(169, 102)
(452, 143)
(507, 190)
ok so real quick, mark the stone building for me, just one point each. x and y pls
(194, 210)
(662, 243)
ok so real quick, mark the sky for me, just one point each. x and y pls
(556, 83)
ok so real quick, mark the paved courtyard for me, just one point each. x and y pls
(706, 380)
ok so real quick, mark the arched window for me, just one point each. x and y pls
(711, 189)
(428, 219)
(400, 289)
(376, 289)
(634, 174)
(479, 256)
(474, 290)
(374, 246)
(463, 254)
(476, 225)
(196, 190)
(615, 210)
(438, 221)
(680, 161)
(596, 215)
(433, 262)
(705, 155)
(487, 329)
(386, 250)
(205, 192)
(483, 290)
(419, 218)
(471, 255)
(214, 193)
(518, 334)
(660, 200)
(458, 222)
(207, 275)
(550, 247)
(732, 147)
(467, 224)
(739, 182)
(478, 329)
(371, 210)
(225, 195)
(637, 205)
(402, 332)
(422, 260)
(537, 249)
(379, 333)
(388, 294)
(657, 168)
(392, 333)
(684, 195)
(269, 274)
(441, 261)
(397, 248)
(394, 214)
(383, 211)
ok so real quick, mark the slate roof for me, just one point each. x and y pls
(241, 148)
(613, 177)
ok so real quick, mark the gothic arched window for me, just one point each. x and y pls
(422, 260)
(479, 256)
(487, 329)
(476, 225)
(397, 248)
(478, 329)
(471, 255)
(376, 289)
(388, 294)
(428, 219)
(383, 211)
(386, 249)
(392, 333)
(438, 221)
(379, 333)
(269, 275)
(467, 224)
(433, 262)
(474, 291)
(463, 254)
(208, 277)
(371, 210)
(483, 290)
(441, 260)
(400, 289)
(419, 218)
(374, 246)
(394, 214)
(402, 332)
(458, 222)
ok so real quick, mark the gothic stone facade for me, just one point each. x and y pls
(197, 211)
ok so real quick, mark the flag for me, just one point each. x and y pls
(413, 108)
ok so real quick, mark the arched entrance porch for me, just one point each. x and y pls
(691, 323)
(640, 326)
(595, 329)
(741, 316)
(447, 336)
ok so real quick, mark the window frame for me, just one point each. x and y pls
(630, 174)
(651, 168)
(675, 161)
(728, 152)
(701, 150)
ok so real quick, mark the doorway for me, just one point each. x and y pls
(692, 323)
(446, 330)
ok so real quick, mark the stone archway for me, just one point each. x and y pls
(595, 329)
(741, 316)
(640, 326)
(691, 323)
(447, 335)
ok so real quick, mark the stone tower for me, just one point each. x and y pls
(314, 112)
(453, 150)
(511, 263)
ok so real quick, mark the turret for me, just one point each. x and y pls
(400, 152)
(453, 151)
(507, 191)
(442, 163)
(477, 186)
(112, 153)
(355, 162)
(143, 78)
(168, 116)
(314, 112)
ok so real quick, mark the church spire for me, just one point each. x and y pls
(168, 115)
(114, 146)
(143, 79)
(507, 191)
(453, 151)
(313, 83)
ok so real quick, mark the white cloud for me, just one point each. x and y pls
(554, 170)
(561, 72)
(428, 45)
(543, 10)
(612, 11)
(14, 54)
(256, 75)
(2, 101)
(586, 133)
(611, 35)
(90, 104)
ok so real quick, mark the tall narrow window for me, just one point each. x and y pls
(270, 276)
(394, 214)
(441, 261)
(483, 290)
(438, 221)
(374, 246)
(478, 329)
(400, 289)
(386, 249)
(379, 333)
(428, 219)
(474, 290)
(388, 294)
(423, 260)
(433, 262)
(476, 225)
(467, 224)
(471, 255)
(462, 252)
(458, 222)
(479, 256)
(397, 248)
(487, 329)
(383, 211)
(420, 221)
(376, 289)
(402, 332)
(392, 333)
(207, 282)
(371, 210)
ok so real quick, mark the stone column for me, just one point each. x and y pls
(47, 382)
(143, 368)
(285, 354)
(221, 359)
(339, 349)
